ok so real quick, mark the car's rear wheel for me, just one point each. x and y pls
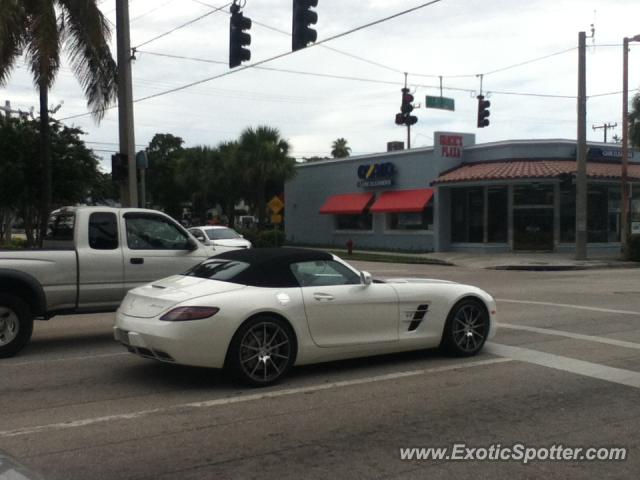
(262, 351)
(16, 324)
(466, 329)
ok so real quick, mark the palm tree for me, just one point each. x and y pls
(41, 29)
(339, 148)
(266, 159)
(634, 122)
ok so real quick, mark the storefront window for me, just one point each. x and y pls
(567, 213)
(614, 214)
(467, 215)
(498, 214)
(411, 221)
(603, 213)
(533, 195)
(362, 221)
(597, 213)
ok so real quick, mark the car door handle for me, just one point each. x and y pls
(323, 297)
(137, 261)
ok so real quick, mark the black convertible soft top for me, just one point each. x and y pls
(268, 267)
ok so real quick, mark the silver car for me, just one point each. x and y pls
(220, 238)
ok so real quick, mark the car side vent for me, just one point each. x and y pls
(418, 316)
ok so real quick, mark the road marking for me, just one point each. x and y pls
(577, 336)
(567, 305)
(566, 364)
(4, 363)
(246, 398)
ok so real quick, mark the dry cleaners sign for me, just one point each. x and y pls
(376, 175)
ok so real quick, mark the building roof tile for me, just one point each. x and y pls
(521, 169)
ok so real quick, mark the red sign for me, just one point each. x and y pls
(451, 146)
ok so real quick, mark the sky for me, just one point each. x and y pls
(350, 86)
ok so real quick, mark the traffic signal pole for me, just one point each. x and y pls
(581, 175)
(406, 75)
(129, 188)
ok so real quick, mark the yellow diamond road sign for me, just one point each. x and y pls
(275, 204)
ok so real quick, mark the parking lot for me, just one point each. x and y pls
(564, 369)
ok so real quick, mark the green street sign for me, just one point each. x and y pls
(441, 103)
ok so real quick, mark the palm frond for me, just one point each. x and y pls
(13, 24)
(42, 41)
(87, 36)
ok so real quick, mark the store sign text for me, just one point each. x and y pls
(451, 146)
(376, 175)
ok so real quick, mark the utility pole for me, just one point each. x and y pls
(581, 153)
(624, 201)
(605, 127)
(129, 190)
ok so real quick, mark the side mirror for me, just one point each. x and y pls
(192, 244)
(366, 279)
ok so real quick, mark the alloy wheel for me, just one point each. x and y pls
(265, 352)
(469, 327)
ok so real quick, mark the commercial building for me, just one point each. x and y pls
(458, 195)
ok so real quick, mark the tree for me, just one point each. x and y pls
(200, 175)
(265, 159)
(40, 29)
(339, 148)
(634, 121)
(76, 176)
(164, 153)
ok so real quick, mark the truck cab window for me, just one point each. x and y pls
(60, 227)
(153, 232)
(103, 231)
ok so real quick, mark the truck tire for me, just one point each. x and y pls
(16, 324)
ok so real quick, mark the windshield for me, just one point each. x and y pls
(222, 234)
(218, 269)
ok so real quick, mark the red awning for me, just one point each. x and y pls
(403, 201)
(347, 204)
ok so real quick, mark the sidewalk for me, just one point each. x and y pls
(515, 261)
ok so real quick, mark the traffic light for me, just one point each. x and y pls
(407, 100)
(239, 39)
(119, 167)
(303, 17)
(483, 112)
(405, 117)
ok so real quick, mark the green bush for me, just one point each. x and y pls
(15, 244)
(269, 238)
(634, 248)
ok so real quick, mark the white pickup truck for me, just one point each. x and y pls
(92, 256)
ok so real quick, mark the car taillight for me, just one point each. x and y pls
(182, 314)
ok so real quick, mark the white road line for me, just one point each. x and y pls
(567, 305)
(4, 363)
(576, 336)
(245, 398)
(566, 364)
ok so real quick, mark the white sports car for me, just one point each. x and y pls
(258, 312)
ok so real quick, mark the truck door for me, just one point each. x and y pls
(155, 247)
(100, 269)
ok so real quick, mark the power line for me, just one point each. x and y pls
(359, 79)
(270, 59)
(190, 22)
(341, 52)
(148, 12)
(526, 62)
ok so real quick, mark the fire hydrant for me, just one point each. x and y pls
(349, 246)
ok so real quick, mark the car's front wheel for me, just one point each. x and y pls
(466, 329)
(16, 324)
(262, 351)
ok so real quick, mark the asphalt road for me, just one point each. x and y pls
(563, 369)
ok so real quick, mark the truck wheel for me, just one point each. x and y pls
(16, 324)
